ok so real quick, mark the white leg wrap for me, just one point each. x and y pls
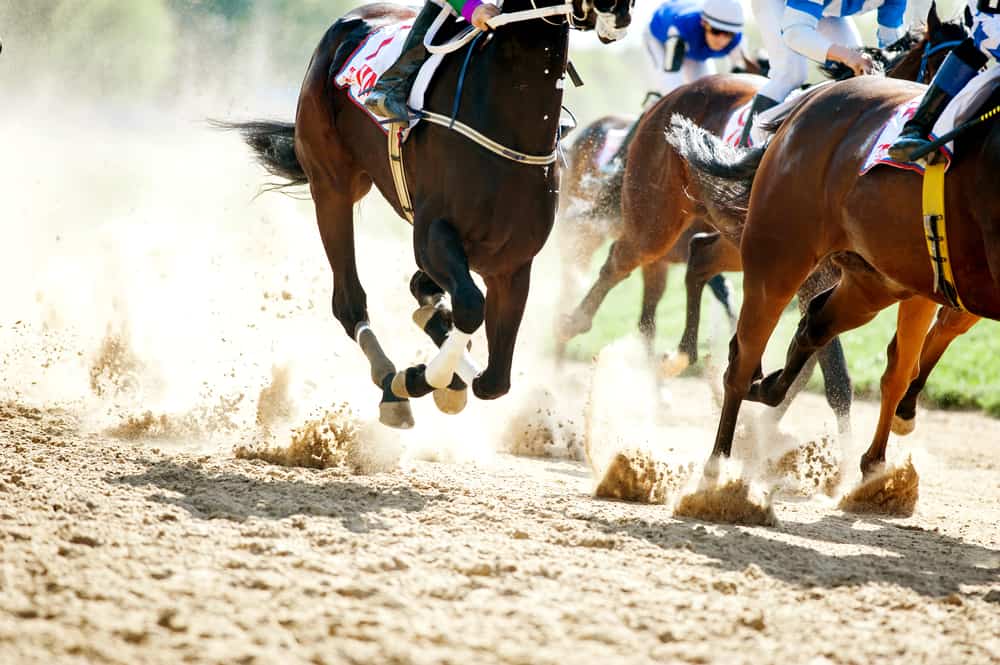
(467, 369)
(441, 368)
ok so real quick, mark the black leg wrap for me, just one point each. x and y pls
(387, 394)
(411, 383)
(438, 326)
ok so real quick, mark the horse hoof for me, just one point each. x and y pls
(451, 401)
(673, 364)
(903, 426)
(571, 325)
(396, 414)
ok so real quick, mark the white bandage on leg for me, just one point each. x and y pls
(467, 369)
(441, 368)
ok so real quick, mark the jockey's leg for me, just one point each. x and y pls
(388, 97)
(788, 68)
(960, 67)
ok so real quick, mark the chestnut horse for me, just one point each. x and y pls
(474, 209)
(655, 204)
(808, 203)
(590, 212)
(590, 215)
(710, 256)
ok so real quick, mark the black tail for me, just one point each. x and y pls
(723, 173)
(274, 145)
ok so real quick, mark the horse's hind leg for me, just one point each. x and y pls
(853, 302)
(913, 319)
(441, 255)
(709, 255)
(654, 284)
(336, 226)
(950, 324)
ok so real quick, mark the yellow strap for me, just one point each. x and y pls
(396, 167)
(935, 232)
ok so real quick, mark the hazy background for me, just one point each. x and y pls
(134, 234)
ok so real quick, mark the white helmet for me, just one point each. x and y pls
(723, 14)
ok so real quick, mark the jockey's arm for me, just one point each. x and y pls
(799, 25)
(890, 22)
(475, 12)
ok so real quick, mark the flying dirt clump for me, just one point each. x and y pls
(336, 438)
(540, 430)
(893, 492)
(115, 369)
(808, 469)
(637, 475)
(200, 422)
(731, 501)
(274, 404)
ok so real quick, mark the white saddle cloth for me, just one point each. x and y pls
(380, 49)
(960, 109)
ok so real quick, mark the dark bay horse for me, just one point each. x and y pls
(808, 203)
(473, 209)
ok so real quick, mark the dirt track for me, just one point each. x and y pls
(127, 552)
(172, 550)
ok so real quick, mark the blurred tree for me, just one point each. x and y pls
(110, 47)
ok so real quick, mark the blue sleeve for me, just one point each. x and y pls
(812, 7)
(890, 14)
(663, 19)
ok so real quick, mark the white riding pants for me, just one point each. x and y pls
(789, 69)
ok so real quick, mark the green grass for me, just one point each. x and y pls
(965, 378)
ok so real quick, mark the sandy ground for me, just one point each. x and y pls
(130, 552)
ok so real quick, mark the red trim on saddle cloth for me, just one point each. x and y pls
(362, 74)
(890, 131)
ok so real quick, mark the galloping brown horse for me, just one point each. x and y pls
(808, 203)
(473, 208)
(590, 215)
(712, 255)
(656, 207)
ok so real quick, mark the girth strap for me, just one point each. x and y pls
(935, 230)
(396, 167)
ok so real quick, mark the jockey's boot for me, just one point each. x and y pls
(759, 105)
(389, 96)
(960, 67)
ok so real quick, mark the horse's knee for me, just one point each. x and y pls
(348, 313)
(468, 308)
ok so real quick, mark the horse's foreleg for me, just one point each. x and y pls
(442, 257)
(506, 296)
(912, 322)
(853, 302)
(580, 237)
(623, 258)
(336, 227)
(434, 317)
(654, 284)
(837, 383)
(950, 324)
(708, 255)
